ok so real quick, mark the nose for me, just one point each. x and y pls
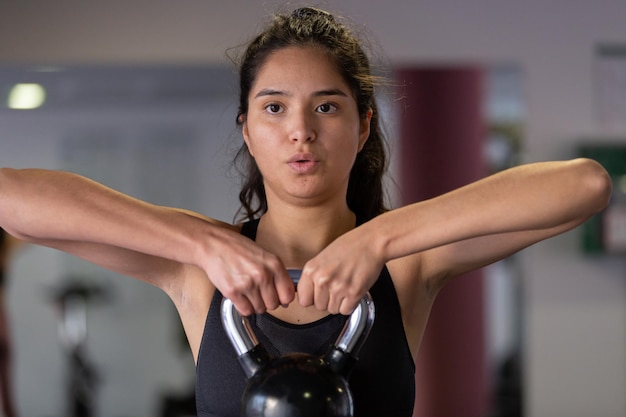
(302, 127)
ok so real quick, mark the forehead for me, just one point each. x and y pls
(298, 68)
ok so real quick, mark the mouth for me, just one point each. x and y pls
(302, 158)
(303, 163)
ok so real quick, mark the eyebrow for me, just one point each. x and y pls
(320, 93)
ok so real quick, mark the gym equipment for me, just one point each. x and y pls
(298, 384)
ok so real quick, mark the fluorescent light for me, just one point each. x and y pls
(26, 96)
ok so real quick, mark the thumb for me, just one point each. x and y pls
(305, 291)
(284, 287)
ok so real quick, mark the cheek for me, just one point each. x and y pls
(261, 144)
(351, 141)
(256, 139)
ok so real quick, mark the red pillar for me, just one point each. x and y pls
(441, 136)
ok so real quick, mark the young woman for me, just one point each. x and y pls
(313, 201)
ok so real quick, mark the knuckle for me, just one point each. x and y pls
(245, 284)
(323, 281)
(261, 276)
(346, 311)
(228, 291)
(353, 294)
(244, 308)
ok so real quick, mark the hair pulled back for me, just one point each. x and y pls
(314, 27)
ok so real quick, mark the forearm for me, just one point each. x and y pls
(47, 206)
(79, 216)
(551, 195)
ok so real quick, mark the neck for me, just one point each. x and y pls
(296, 234)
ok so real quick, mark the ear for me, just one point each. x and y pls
(245, 133)
(364, 130)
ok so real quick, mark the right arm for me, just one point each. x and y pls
(71, 213)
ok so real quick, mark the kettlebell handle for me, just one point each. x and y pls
(350, 340)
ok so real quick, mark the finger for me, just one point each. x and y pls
(269, 296)
(258, 304)
(322, 297)
(334, 304)
(348, 305)
(305, 291)
(245, 290)
(253, 296)
(284, 287)
(242, 305)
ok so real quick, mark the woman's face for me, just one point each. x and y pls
(303, 127)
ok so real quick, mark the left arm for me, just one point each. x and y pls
(495, 217)
(462, 230)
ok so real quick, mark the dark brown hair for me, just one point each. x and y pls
(314, 27)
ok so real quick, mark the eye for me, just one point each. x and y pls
(327, 108)
(274, 108)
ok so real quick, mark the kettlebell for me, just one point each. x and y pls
(298, 384)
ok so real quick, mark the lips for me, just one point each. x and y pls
(303, 163)
(302, 157)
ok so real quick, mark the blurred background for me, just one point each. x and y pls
(141, 95)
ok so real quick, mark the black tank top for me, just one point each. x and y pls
(382, 382)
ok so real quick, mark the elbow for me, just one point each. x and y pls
(597, 184)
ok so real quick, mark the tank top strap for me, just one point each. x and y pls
(249, 228)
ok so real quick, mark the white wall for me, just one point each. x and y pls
(576, 306)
